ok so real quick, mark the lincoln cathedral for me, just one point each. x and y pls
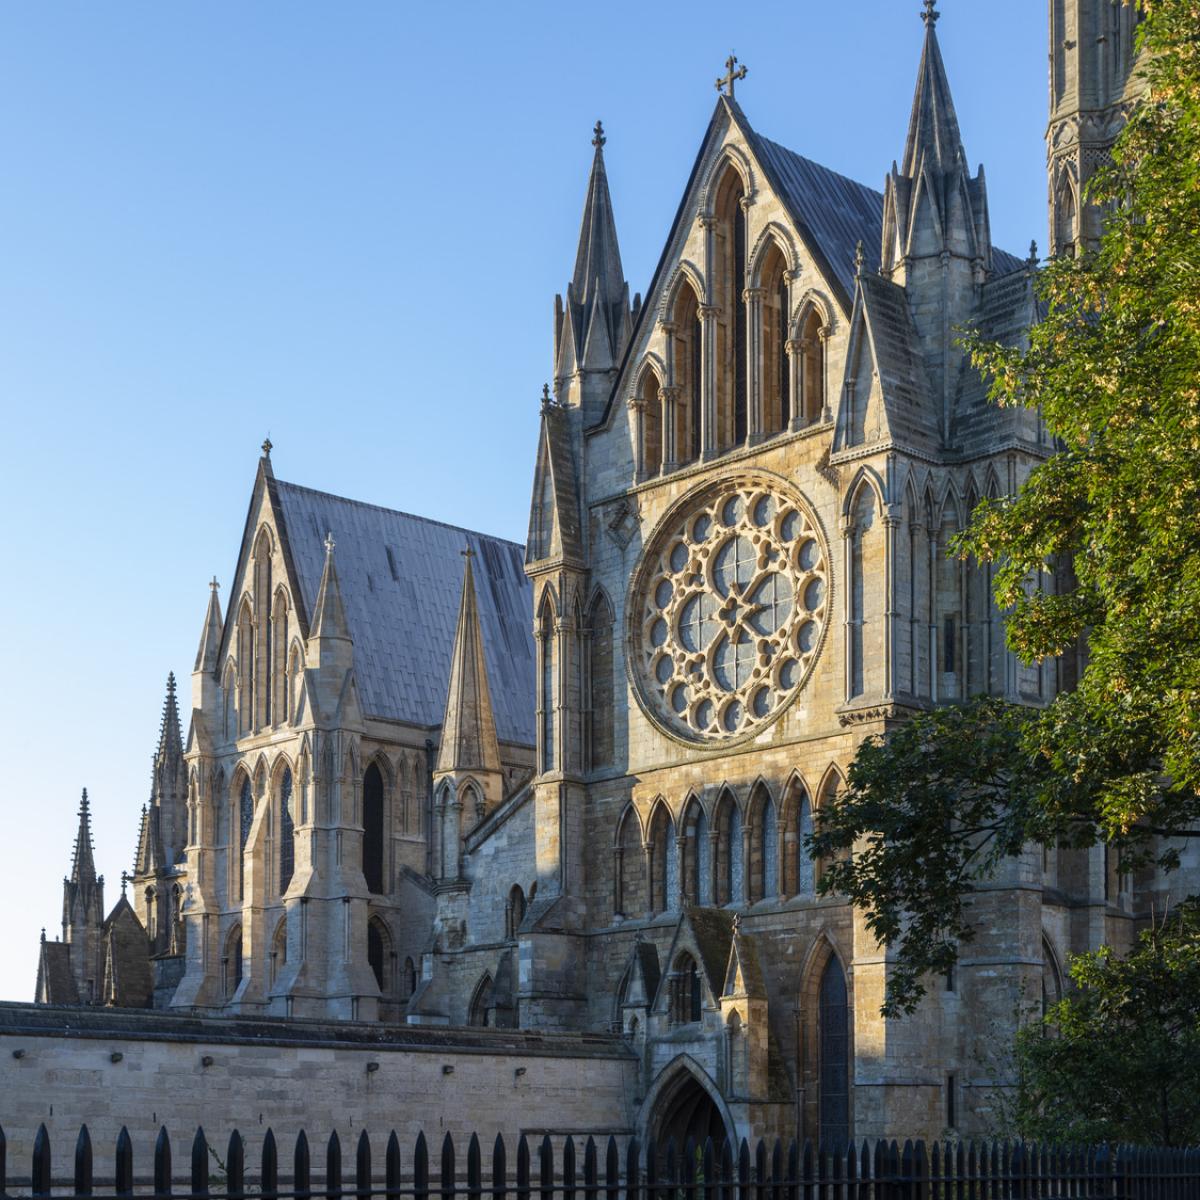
(426, 776)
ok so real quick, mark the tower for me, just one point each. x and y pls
(1092, 85)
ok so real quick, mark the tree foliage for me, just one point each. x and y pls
(1118, 1059)
(1114, 370)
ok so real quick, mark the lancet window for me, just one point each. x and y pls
(245, 820)
(600, 684)
(664, 882)
(730, 286)
(689, 399)
(287, 832)
(263, 658)
(776, 378)
(811, 361)
(373, 842)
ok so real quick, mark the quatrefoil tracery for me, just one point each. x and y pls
(731, 607)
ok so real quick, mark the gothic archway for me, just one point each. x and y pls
(684, 1104)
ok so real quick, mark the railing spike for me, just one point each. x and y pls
(124, 1164)
(162, 1163)
(448, 1167)
(40, 1174)
(83, 1164)
(499, 1168)
(269, 1176)
(199, 1184)
(302, 1168)
(393, 1177)
(333, 1167)
(421, 1168)
(474, 1168)
(362, 1167)
(235, 1166)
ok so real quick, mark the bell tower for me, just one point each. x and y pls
(1092, 85)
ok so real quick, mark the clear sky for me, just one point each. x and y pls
(343, 225)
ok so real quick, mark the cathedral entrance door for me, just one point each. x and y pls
(688, 1111)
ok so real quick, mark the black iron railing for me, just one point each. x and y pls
(587, 1170)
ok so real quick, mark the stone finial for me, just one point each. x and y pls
(329, 543)
(737, 924)
(124, 881)
(43, 935)
(731, 76)
(213, 583)
(547, 401)
(1032, 261)
(860, 257)
(598, 138)
(930, 13)
(267, 447)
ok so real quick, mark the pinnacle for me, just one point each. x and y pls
(933, 132)
(83, 865)
(469, 726)
(330, 619)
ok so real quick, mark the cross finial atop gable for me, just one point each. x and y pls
(212, 583)
(467, 553)
(329, 542)
(598, 138)
(267, 447)
(931, 14)
(731, 76)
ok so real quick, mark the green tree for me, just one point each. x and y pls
(1114, 370)
(1118, 1059)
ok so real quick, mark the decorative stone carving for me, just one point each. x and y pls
(729, 610)
(621, 521)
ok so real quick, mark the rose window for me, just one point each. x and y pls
(729, 610)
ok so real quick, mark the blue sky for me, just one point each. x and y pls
(343, 225)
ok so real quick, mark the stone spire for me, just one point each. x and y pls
(592, 327)
(469, 727)
(933, 134)
(936, 232)
(83, 908)
(210, 637)
(83, 864)
(330, 621)
(168, 789)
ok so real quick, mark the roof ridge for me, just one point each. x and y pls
(398, 512)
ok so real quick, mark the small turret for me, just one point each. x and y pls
(592, 326)
(168, 786)
(83, 911)
(936, 232)
(204, 671)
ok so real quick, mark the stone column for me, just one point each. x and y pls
(795, 353)
(648, 867)
(710, 433)
(891, 522)
(752, 297)
(680, 873)
(637, 419)
(669, 397)
(825, 333)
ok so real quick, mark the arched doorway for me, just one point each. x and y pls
(685, 1109)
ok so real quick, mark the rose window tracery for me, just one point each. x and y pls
(729, 609)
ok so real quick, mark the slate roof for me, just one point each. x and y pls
(831, 211)
(401, 579)
(55, 982)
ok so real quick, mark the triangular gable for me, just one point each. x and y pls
(706, 934)
(830, 213)
(891, 399)
(556, 532)
(743, 975)
(265, 495)
(643, 975)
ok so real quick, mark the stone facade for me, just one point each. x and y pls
(737, 570)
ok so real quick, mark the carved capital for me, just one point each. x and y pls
(794, 346)
(636, 403)
(670, 393)
(825, 332)
(668, 327)
(753, 293)
(705, 311)
(706, 222)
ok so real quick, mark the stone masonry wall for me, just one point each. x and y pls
(57, 1066)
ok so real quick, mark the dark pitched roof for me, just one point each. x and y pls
(401, 578)
(832, 213)
(55, 981)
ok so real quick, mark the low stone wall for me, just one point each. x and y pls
(110, 1068)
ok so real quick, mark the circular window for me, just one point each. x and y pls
(728, 609)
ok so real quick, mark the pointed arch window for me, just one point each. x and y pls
(245, 667)
(410, 978)
(373, 842)
(697, 855)
(685, 995)
(280, 691)
(650, 432)
(628, 874)
(764, 848)
(729, 852)
(732, 400)
(245, 820)
(834, 1027)
(279, 950)
(514, 910)
(805, 867)
(664, 878)
(287, 832)
(812, 367)
(864, 659)
(482, 1003)
(546, 692)
(776, 366)
(379, 944)
(231, 962)
(263, 657)
(688, 375)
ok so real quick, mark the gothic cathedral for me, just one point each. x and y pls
(566, 786)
